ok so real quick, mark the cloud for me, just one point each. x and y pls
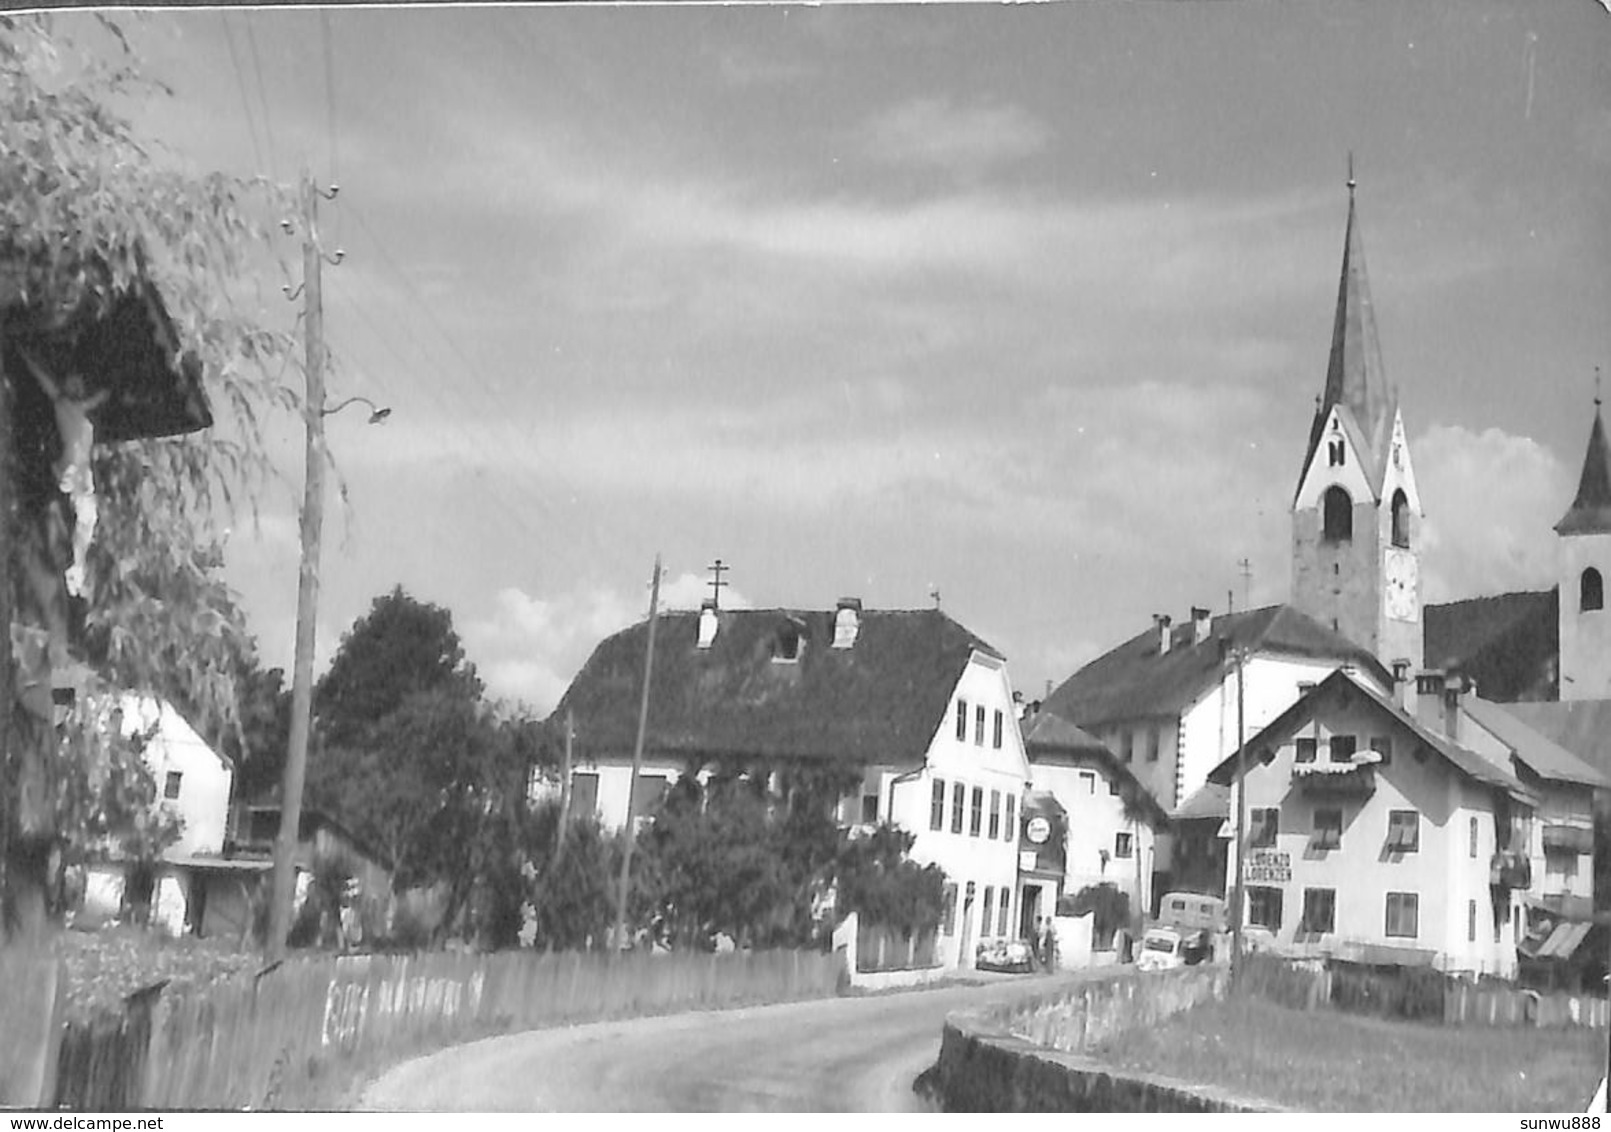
(937, 132)
(530, 648)
(1491, 501)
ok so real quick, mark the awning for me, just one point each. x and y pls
(1560, 944)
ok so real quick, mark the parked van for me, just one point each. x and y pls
(1193, 912)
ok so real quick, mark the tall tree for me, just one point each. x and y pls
(91, 213)
(402, 646)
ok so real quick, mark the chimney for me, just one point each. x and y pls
(1455, 686)
(708, 622)
(846, 622)
(1402, 685)
(1201, 625)
(1439, 693)
(1161, 623)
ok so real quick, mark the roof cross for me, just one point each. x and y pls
(717, 569)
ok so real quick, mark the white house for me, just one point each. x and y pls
(1108, 819)
(1407, 832)
(911, 700)
(193, 783)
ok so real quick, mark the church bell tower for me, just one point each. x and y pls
(1356, 516)
(1585, 560)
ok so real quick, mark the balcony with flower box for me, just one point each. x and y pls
(1353, 778)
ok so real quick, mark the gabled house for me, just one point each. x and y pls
(1405, 832)
(913, 704)
(1166, 700)
(193, 784)
(1105, 818)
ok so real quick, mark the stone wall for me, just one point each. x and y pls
(1034, 1056)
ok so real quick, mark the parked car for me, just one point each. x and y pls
(1005, 955)
(1163, 947)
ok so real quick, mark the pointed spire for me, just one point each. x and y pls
(1590, 513)
(1355, 376)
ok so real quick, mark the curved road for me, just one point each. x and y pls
(835, 1055)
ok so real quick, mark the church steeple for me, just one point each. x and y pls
(1356, 516)
(1590, 512)
(1584, 553)
(1355, 376)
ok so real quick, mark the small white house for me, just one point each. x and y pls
(193, 784)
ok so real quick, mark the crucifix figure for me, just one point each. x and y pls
(73, 405)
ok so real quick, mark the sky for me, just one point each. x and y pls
(1024, 305)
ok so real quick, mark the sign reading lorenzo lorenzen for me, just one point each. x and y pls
(1268, 866)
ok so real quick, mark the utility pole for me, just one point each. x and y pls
(565, 789)
(296, 758)
(1241, 824)
(637, 766)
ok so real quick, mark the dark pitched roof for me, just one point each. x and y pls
(1583, 727)
(1210, 800)
(1047, 736)
(881, 700)
(1282, 726)
(1509, 644)
(1590, 512)
(1539, 753)
(1135, 680)
(1355, 377)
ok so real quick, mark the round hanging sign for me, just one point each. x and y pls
(1038, 830)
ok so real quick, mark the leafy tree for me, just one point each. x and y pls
(418, 764)
(882, 885)
(401, 647)
(572, 894)
(89, 211)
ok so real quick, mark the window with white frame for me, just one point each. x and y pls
(986, 921)
(1264, 907)
(1328, 828)
(1319, 911)
(170, 784)
(962, 721)
(937, 805)
(995, 815)
(1404, 831)
(1123, 845)
(997, 732)
(1403, 915)
(959, 805)
(978, 725)
(1264, 823)
(976, 818)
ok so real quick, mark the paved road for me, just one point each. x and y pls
(837, 1055)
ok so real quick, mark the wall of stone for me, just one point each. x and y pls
(1034, 1056)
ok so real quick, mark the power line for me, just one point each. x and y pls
(240, 84)
(257, 67)
(330, 105)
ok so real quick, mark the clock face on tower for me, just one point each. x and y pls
(1399, 574)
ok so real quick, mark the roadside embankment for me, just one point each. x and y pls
(1037, 1055)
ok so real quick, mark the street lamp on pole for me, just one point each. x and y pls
(377, 414)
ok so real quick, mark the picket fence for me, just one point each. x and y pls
(1417, 993)
(256, 1042)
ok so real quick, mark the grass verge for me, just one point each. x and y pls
(1328, 1061)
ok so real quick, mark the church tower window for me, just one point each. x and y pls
(1401, 518)
(1338, 518)
(1335, 454)
(1591, 591)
